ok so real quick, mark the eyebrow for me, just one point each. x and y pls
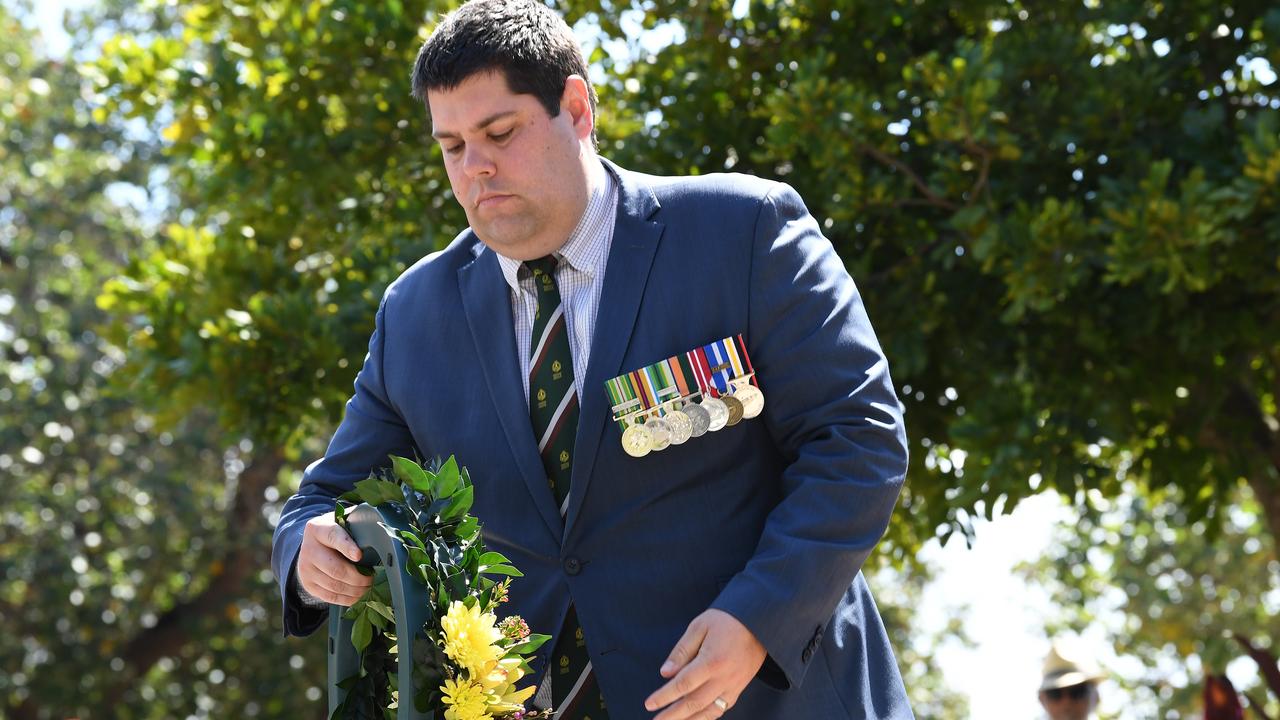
(443, 135)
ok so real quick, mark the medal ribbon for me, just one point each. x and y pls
(622, 397)
(666, 385)
(702, 372)
(720, 370)
(730, 350)
(653, 384)
(677, 376)
(646, 394)
(742, 345)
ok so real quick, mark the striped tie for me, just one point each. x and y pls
(553, 410)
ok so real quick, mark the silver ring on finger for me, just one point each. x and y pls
(720, 703)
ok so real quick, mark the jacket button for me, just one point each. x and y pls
(808, 653)
(572, 565)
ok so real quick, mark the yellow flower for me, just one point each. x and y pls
(499, 686)
(464, 701)
(470, 638)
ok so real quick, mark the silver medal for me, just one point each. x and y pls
(718, 411)
(680, 425)
(660, 433)
(698, 417)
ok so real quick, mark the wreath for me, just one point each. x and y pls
(466, 662)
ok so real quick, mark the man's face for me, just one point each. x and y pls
(1069, 703)
(519, 173)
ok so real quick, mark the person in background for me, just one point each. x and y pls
(1069, 688)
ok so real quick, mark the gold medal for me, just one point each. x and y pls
(751, 398)
(735, 409)
(636, 441)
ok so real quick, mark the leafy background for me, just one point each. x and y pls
(1063, 217)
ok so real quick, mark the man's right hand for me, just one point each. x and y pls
(325, 563)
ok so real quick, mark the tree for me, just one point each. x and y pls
(1062, 216)
(1181, 590)
(120, 541)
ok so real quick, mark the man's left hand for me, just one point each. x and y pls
(716, 658)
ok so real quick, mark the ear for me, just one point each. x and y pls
(576, 101)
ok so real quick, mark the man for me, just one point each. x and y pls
(718, 577)
(1069, 688)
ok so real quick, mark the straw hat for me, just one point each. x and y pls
(1068, 665)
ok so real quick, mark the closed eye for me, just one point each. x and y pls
(502, 136)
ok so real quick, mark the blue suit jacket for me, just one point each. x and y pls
(769, 520)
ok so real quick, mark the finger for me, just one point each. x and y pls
(325, 590)
(339, 540)
(685, 683)
(685, 650)
(333, 595)
(697, 705)
(337, 567)
(320, 560)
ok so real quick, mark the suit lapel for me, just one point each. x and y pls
(635, 242)
(486, 299)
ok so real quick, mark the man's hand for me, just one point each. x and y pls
(716, 658)
(325, 566)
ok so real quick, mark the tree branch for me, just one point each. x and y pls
(241, 561)
(1256, 706)
(984, 173)
(934, 198)
(1266, 662)
(1240, 405)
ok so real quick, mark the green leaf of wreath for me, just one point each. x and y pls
(361, 633)
(502, 570)
(412, 474)
(449, 479)
(376, 492)
(460, 505)
(533, 642)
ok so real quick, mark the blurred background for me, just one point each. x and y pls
(1063, 215)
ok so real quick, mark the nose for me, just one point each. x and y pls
(476, 162)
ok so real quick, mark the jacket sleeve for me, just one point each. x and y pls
(830, 406)
(370, 432)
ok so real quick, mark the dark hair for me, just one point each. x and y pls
(525, 40)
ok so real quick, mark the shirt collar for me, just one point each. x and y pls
(582, 249)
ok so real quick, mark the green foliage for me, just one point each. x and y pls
(1063, 218)
(898, 595)
(447, 556)
(1182, 587)
(119, 538)
(302, 185)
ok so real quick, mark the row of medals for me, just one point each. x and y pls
(692, 420)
